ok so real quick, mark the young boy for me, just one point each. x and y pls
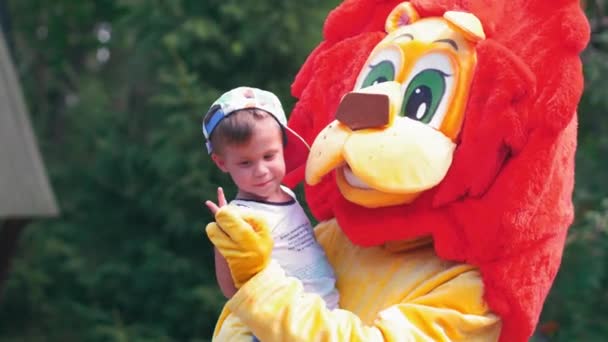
(247, 137)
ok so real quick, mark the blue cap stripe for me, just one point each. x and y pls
(215, 119)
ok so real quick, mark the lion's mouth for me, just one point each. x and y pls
(352, 179)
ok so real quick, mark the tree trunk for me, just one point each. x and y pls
(10, 231)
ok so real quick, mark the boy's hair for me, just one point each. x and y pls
(236, 129)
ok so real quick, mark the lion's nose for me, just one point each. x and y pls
(362, 110)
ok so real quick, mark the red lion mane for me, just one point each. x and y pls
(505, 204)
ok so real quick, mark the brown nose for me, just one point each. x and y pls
(360, 110)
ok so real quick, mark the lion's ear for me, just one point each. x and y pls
(403, 14)
(468, 25)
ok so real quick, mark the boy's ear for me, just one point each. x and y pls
(219, 161)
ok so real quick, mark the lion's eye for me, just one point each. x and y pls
(381, 72)
(423, 95)
(429, 89)
(384, 65)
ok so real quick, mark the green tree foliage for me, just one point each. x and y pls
(117, 89)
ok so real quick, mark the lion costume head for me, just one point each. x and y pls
(454, 120)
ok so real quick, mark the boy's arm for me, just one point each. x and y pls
(222, 270)
(222, 274)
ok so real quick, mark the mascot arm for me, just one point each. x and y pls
(448, 307)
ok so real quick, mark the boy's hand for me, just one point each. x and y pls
(244, 240)
(221, 201)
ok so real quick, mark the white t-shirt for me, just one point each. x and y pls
(295, 246)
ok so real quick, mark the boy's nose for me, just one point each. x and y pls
(261, 169)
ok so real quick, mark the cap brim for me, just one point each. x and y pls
(295, 152)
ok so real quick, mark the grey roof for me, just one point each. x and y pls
(24, 188)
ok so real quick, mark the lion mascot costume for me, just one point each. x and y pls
(441, 170)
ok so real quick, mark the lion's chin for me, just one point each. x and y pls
(357, 191)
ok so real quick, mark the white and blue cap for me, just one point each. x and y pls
(295, 150)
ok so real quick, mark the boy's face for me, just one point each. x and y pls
(256, 167)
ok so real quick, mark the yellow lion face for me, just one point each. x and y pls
(394, 134)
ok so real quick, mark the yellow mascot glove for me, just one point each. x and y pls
(244, 240)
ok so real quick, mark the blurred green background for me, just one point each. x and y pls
(116, 90)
